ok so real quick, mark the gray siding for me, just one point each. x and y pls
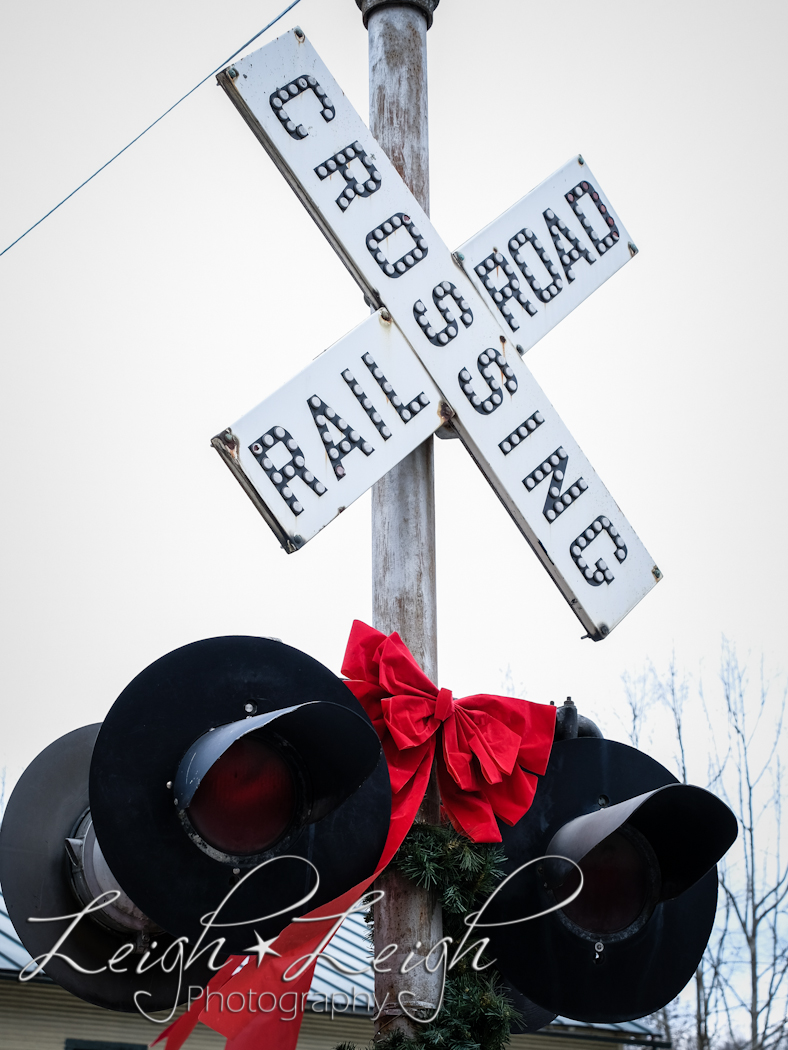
(39, 1016)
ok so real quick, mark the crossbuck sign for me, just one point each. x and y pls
(445, 343)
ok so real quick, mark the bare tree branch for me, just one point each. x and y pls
(740, 999)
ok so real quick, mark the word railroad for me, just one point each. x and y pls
(446, 342)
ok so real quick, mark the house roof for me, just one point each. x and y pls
(623, 1032)
(12, 955)
(352, 950)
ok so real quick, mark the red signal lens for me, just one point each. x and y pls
(616, 884)
(247, 799)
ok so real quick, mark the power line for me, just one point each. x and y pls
(155, 122)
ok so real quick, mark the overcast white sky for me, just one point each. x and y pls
(186, 283)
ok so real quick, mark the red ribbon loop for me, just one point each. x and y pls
(444, 705)
(491, 746)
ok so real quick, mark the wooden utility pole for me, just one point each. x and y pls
(403, 502)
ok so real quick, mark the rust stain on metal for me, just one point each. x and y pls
(229, 443)
(445, 411)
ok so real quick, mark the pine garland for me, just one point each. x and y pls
(476, 1013)
(463, 872)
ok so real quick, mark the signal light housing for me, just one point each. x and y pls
(647, 847)
(243, 787)
(244, 804)
(38, 871)
(236, 774)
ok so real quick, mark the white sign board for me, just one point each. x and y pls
(312, 448)
(453, 322)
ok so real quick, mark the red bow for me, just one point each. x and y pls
(488, 742)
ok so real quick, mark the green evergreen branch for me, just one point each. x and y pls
(476, 1013)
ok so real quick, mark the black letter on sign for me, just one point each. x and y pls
(518, 245)
(495, 398)
(577, 549)
(294, 468)
(406, 411)
(439, 294)
(568, 256)
(410, 259)
(611, 234)
(341, 162)
(323, 414)
(526, 428)
(366, 404)
(509, 292)
(556, 465)
(284, 94)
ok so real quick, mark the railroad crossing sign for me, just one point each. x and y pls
(445, 343)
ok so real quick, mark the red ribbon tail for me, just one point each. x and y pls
(247, 1032)
(268, 1030)
(179, 1031)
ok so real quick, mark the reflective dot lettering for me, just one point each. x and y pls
(562, 235)
(526, 428)
(587, 191)
(409, 259)
(510, 291)
(294, 468)
(495, 399)
(404, 413)
(284, 94)
(556, 503)
(368, 407)
(601, 574)
(440, 293)
(523, 239)
(349, 442)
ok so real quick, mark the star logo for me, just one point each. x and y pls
(262, 948)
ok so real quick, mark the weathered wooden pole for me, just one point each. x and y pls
(403, 502)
